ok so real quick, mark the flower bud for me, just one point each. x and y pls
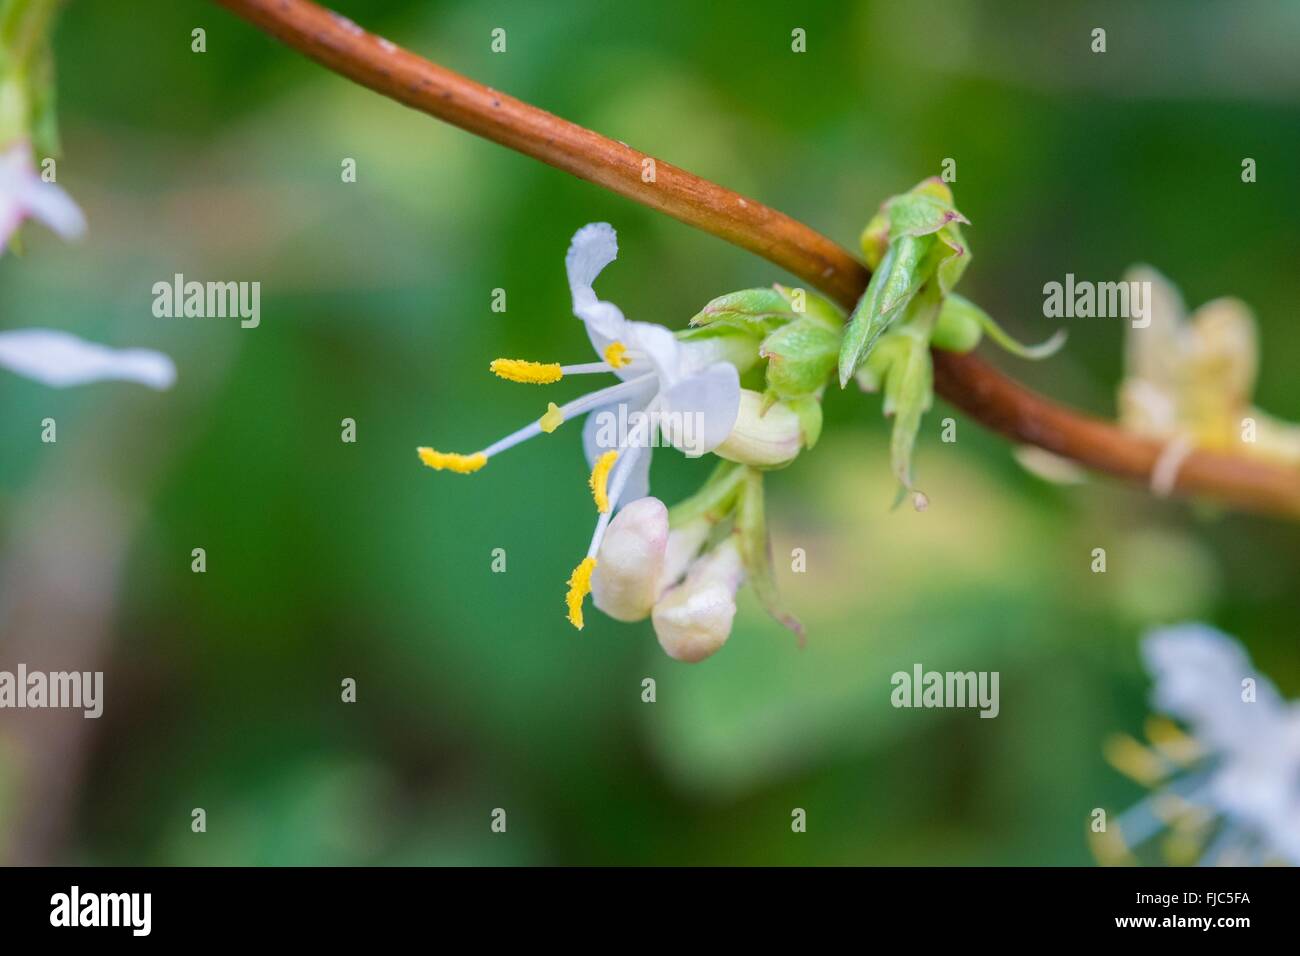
(693, 619)
(764, 439)
(630, 562)
(684, 545)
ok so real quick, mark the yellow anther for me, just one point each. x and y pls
(1172, 743)
(1134, 760)
(530, 373)
(552, 419)
(616, 355)
(579, 588)
(448, 461)
(599, 480)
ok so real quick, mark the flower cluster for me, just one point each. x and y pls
(682, 391)
(743, 382)
(1226, 790)
(916, 251)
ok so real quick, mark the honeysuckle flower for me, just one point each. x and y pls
(1228, 789)
(686, 393)
(1189, 381)
(60, 359)
(24, 195)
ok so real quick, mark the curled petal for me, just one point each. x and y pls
(594, 246)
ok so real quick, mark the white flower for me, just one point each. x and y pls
(60, 359)
(1230, 790)
(684, 392)
(23, 195)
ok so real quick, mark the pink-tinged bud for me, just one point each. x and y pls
(693, 619)
(763, 439)
(630, 562)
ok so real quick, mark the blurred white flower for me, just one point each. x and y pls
(1228, 790)
(54, 358)
(24, 195)
(60, 359)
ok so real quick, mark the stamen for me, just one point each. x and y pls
(616, 355)
(1134, 760)
(449, 461)
(600, 478)
(579, 588)
(1172, 742)
(553, 418)
(579, 406)
(530, 373)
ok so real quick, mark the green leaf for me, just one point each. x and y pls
(919, 214)
(908, 394)
(756, 551)
(814, 306)
(901, 274)
(997, 334)
(757, 311)
(799, 356)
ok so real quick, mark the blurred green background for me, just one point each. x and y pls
(328, 560)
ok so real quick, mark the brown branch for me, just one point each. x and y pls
(967, 382)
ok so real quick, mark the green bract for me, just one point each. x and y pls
(914, 239)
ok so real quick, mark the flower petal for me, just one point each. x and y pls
(54, 207)
(60, 359)
(663, 354)
(23, 193)
(594, 246)
(699, 411)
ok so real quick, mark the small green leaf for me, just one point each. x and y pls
(909, 392)
(757, 311)
(814, 306)
(997, 334)
(799, 356)
(919, 214)
(901, 274)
